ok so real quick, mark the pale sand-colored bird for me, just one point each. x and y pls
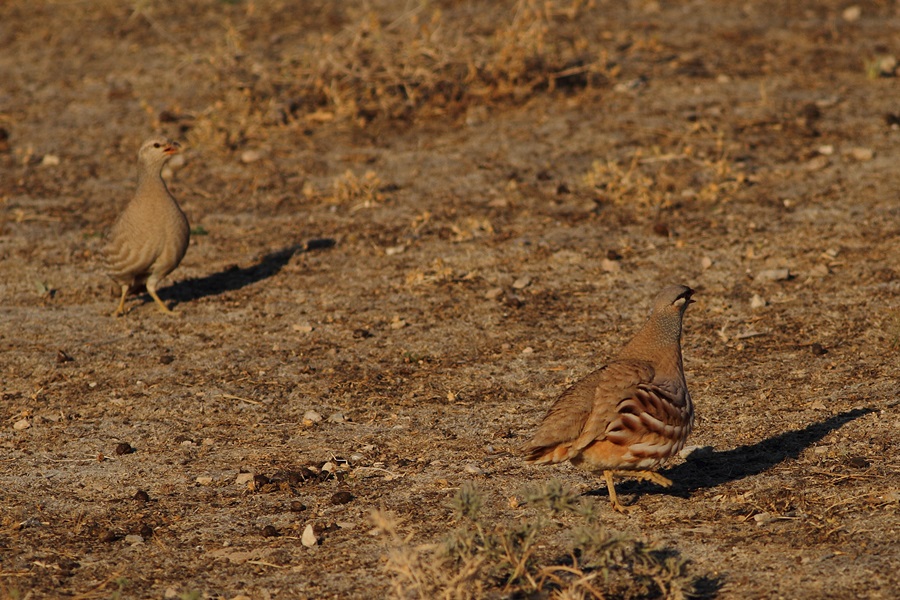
(628, 417)
(150, 237)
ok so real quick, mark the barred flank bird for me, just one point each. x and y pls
(150, 237)
(628, 417)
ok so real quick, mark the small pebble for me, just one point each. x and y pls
(473, 469)
(696, 452)
(816, 164)
(204, 480)
(773, 275)
(50, 160)
(250, 156)
(819, 271)
(862, 154)
(757, 301)
(177, 161)
(133, 539)
(337, 417)
(521, 283)
(885, 66)
(312, 416)
(568, 257)
(309, 538)
(763, 518)
(706, 262)
(851, 14)
(243, 478)
(610, 266)
(21, 424)
(493, 293)
(297, 506)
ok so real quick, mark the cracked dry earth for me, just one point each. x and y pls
(410, 339)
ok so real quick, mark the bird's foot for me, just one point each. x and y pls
(619, 507)
(159, 303)
(650, 476)
(613, 497)
(120, 309)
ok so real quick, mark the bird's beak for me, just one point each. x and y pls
(172, 148)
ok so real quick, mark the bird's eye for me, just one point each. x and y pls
(156, 145)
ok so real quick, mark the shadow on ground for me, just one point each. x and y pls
(708, 469)
(234, 277)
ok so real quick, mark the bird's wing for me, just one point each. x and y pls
(582, 413)
(616, 399)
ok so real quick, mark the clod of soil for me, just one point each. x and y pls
(342, 497)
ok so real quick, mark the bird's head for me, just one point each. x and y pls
(157, 150)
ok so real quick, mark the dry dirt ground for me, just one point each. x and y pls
(426, 265)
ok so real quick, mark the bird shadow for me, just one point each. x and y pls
(234, 277)
(706, 468)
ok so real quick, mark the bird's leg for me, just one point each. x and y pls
(151, 289)
(120, 310)
(614, 500)
(640, 475)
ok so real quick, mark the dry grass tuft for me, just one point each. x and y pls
(695, 164)
(362, 192)
(427, 62)
(523, 557)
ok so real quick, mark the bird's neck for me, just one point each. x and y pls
(150, 181)
(658, 342)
